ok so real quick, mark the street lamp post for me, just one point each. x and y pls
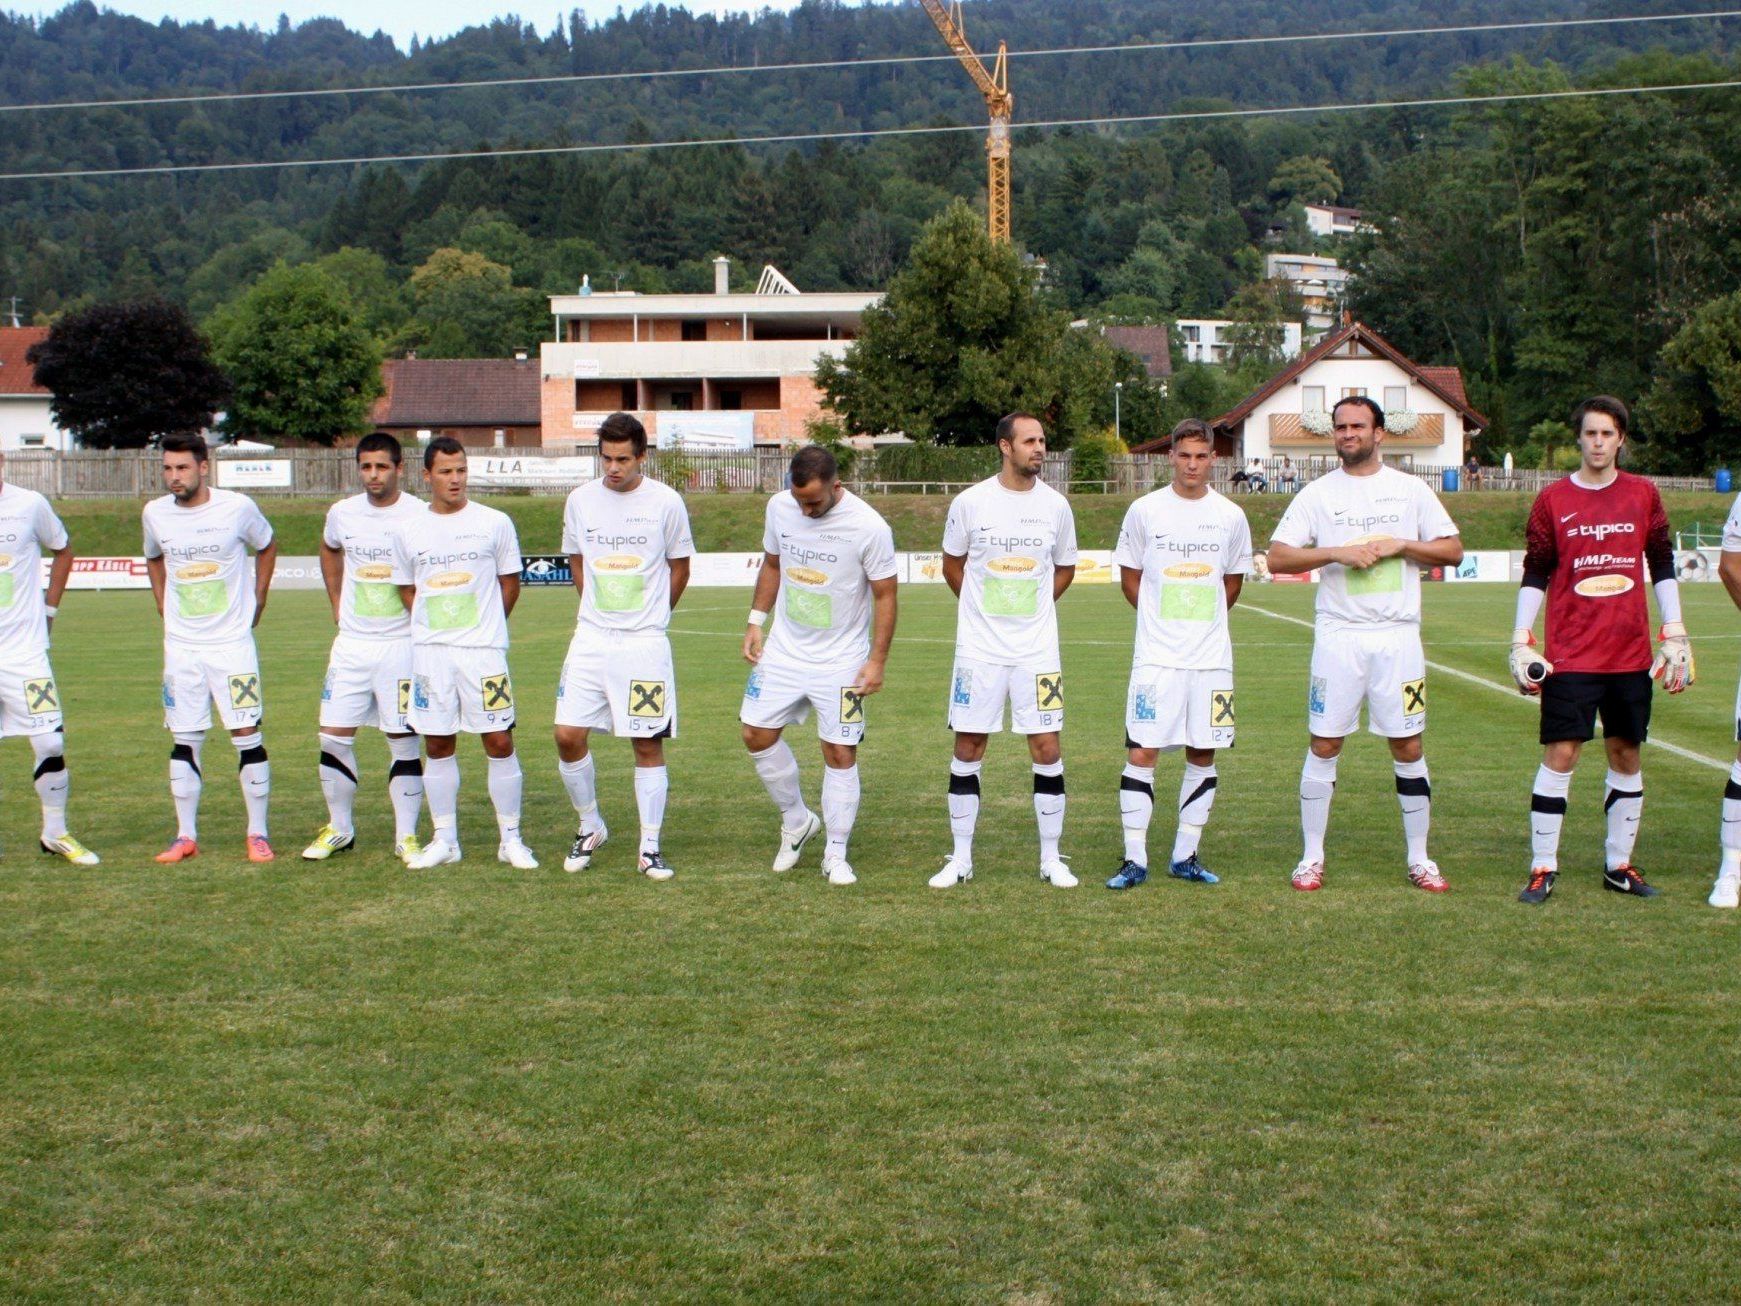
(1117, 409)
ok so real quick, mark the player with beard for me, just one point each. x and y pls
(1368, 530)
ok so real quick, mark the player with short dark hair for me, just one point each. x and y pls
(1009, 553)
(830, 560)
(458, 567)
(1595, 540)
(1183, 553)
(628, 543)
(1368, 530)
(197, 539)
(368, 672)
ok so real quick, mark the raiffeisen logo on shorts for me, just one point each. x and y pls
(1603, 587)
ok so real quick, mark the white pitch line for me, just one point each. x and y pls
(1510, 691)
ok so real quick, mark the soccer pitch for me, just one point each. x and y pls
(346, 1080)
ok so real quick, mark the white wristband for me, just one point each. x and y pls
(51, 609)
(758, 618)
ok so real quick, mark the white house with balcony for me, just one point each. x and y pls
(725, 370)
(1334, 220)
(26, 419)
(1429, 421)
(1205, 340)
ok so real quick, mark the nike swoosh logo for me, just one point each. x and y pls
(1568, 517)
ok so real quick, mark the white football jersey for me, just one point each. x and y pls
(1732, 528)
(1184, 549)
(28, 525)
(209, 589)
(826, 566)
(369, 602)
(626, 541)
(1012, 542)
(1338, 509)
(454, 560)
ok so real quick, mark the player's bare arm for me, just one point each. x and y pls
(265, 562)
(870, 675)
(1130, 580)
(408, 596)
(155, 570)
(954, 572)
(1061, 579)
(58, 572)
(1232, 586)
(767, 587)
(1287, 560)
(1729, 572)
(679, 579)
(332, 575)
(510, 583)
(1446, 551)
(577, 572)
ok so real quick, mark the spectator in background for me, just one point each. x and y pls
(1472, 473)
(1288, 481)
(1255, 480)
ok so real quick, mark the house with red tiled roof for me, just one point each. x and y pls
(1429, 420)
(483, 402)
(1152, 346)
(26, 420)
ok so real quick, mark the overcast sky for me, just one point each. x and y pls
(399, 18)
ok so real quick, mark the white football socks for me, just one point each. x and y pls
(839, 806)
(338, 780)
(1196, 801)
(652, 785)
(1317, 787)
(441, 792)
(186, 780)
(256, 778)
(506, 783)
(1731, 832)
(1547, 813)
(1136, 806)
(778, 768)
(1414, 793)
(581, 781)
(963, 807)
(51, 781)
(1625, 805)
(405, 784)
(1049, 803)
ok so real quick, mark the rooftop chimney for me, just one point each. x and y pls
(722, 276)
(519, 355)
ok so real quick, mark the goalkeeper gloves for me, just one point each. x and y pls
(1528, 667)
(1674, 658)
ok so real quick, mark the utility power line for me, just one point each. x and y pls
(875, 62)
(796, 138)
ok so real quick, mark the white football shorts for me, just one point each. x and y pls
(1173, 707)
(780, 694)
(978, 691)
(460, 690)
(29, 698)
(368, 683)
(196, 676)
(1385, 669)
(622, 684)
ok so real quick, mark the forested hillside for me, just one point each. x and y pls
(1542, 247)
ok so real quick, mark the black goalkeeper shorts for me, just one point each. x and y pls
(1572, 700)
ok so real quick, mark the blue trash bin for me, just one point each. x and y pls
(1452, 480)
(1723, 480)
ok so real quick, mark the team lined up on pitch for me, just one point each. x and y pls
(422, 596)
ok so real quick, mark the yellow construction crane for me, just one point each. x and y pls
(995, 86)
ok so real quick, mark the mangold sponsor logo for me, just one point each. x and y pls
(449, 580)
(5, 560)
(1188, 571)
(196, 571)
(1012, 566)
(807, 575)
(1379, 538)
(1603, 587)
(618, 562)
(374, 571)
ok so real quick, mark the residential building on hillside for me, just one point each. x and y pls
(26, 419)
(1277, 418)
(1153, 345)
(1320, 283)
(1205, 339)
(1334, 220)
(483, 402)
(726, 370)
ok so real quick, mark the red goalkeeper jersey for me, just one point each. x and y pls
(1596, 552)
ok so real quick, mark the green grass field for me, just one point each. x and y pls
(349, 1081)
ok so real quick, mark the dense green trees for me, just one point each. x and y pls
(124, 373)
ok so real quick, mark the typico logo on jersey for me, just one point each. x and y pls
(807, 575)
(374, 571)
(449, 580)
(1188, 571)
(618, 562)
(1602, 530)
(615, 541)
(196, 571)
(1603, 587)
(1011, 566)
